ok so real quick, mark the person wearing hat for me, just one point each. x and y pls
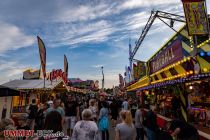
(22, 123)
(6, 124)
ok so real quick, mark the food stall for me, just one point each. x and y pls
(33, 89)
(175, 70)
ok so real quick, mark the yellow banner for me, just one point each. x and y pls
(196, 17)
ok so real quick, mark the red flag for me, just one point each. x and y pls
(66, 67)
(42, 53)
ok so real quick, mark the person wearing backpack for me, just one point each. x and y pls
(104, 121)
(33, 108)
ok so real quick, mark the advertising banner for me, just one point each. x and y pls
(135, 71)
(66, 67)
(170, 55)
(31, 74)
(42, 53)
(141, 69)
(196, 17)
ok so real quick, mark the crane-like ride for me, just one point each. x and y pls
(154, 14)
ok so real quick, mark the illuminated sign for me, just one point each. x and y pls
(171, 54)
(196, 17)
(55, 74)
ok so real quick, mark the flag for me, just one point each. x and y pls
(66, 67)
(42, 53)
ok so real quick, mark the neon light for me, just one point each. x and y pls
(202, 54)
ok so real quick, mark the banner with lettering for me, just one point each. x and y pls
(196, 17)
(170, 55)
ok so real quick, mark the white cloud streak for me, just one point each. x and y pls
(12, 38)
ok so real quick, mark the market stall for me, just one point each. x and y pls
(6, 95)
(176, 71)
(34, 89)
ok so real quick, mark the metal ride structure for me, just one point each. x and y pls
(155, 14)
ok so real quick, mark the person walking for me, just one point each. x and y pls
(53, 122)
(93, 108)
(138, 123)
(56, 107)
(32, 110)
(22, 125)
(104, 121)
(39, 121)
(126, 129)
(150, 123)
(72, 114)
(125, 105)
(86, 129)
(114, 112)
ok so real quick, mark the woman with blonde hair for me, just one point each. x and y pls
(126, 129)
(93, 108)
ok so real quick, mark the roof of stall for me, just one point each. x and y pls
(32, 84)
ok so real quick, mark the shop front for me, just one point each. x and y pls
(34, 89)
(178, 82)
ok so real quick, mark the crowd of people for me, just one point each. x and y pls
(82, 118)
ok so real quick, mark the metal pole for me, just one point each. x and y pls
(103, 78)
(195, 39)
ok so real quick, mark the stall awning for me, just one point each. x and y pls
(6, 91)
(32, 84)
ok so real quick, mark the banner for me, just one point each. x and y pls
(42, 53)
(66, 67)
(31, 74)
(196, 17)
(170, 55)
(121, 81)
(135, 71)
(141, 69)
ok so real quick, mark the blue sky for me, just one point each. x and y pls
(91, 33)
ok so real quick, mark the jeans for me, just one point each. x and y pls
(139, 134)
(151, 135)
(105, 135)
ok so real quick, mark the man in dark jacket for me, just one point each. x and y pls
(33, 108)
(183, 130)
(151, 123)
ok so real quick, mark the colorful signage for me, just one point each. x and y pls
(196, 17)
(135, 72)
(171, 54)
(55, 74)
(31, 74)
(141, 69)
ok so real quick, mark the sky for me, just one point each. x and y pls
(92, 33)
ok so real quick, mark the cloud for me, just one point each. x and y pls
(12, 38)
(131, 4)
(82, 12)
(111, 77)
(97, 66)
(10, 70)
(74, 34)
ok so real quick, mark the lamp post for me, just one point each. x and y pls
(103, 77)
